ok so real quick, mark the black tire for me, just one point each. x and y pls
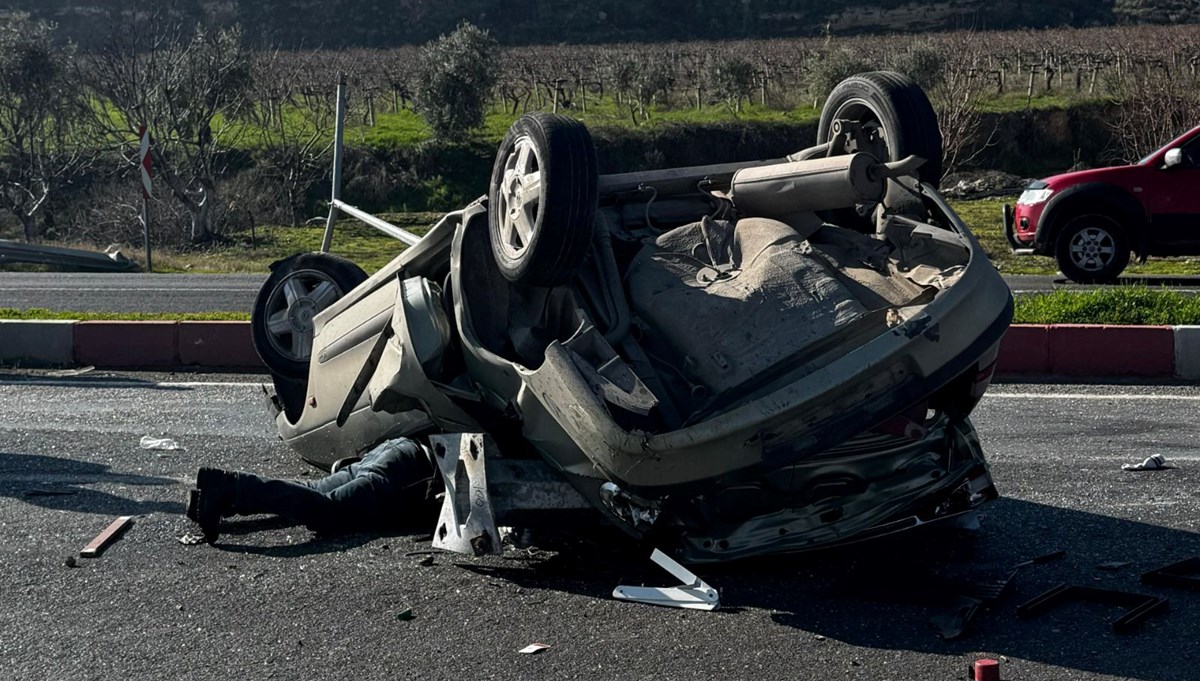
(278, 323)
(899, 106)
(558, 229)
(1092, 249)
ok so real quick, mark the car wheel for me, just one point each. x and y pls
(543, 200)
(896, 121)
(298, 288)
(1092, 249)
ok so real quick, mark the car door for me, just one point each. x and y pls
(1174, 203)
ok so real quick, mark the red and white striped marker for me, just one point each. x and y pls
(144, 161)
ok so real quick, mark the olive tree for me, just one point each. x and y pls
(41, 107)
(456, 79)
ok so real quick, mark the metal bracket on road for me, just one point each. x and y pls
(466, 524)
(693, 594)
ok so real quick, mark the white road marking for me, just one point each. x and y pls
(171, 289)
(104, 383)
(1097, 397)
(83, 383)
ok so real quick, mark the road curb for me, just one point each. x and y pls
(1077, 350)
(43, 342)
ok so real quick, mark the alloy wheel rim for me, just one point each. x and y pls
(1093, 249)
(291, 308)
(521, 197)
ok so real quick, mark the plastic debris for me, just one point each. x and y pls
(160, 443)
(533, 649)
(1152, 463)
(1114, 565)
(190, 539)
(405, 615)
(985, 670)
(70, 562)
(68, 373)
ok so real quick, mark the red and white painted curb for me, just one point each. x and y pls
(1079, 350)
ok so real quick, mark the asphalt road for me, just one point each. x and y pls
(271, 601)
(236, 292)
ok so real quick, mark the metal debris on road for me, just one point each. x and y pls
(693, 593)
(102, 540)
(1138, 606)
(533, 649)
(1152, 463)
(1184, 575)
(405, 615)
(159, 443)
(1114, 565)
(38, 492)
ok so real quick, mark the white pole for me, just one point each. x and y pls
(339, 124)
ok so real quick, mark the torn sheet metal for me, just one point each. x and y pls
(693, 593)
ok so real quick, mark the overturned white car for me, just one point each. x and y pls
(729, 360)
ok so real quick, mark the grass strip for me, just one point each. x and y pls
(41, 313)
(1125, 305)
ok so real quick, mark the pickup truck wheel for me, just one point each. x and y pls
(1092, 249)
(896, 121)
(298, 288)
(542, 200)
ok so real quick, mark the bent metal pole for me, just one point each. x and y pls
(339, 125)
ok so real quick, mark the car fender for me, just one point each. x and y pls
(1114, 200)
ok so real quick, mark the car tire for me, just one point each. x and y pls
(542, 200)
(899, 106)
(1092, 249)
(299, 287)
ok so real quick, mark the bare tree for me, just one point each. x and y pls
(290, 130)
(187, 85)
(1153, 110)
(957, 102)
(41, 107)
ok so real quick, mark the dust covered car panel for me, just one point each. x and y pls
(731, 359)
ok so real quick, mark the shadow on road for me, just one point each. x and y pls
(877, 595)
(62, 484)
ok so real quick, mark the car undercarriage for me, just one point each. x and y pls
(725, 360)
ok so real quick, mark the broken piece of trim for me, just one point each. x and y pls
(693, 593)
(102, 540)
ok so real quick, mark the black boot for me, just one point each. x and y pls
(212, 498)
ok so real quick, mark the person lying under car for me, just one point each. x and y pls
(394, 484)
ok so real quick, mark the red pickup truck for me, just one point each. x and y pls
(1090, 221)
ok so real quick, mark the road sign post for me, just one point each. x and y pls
(147, 189)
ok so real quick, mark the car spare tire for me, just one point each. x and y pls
(542, 200)
(898, 113)
(299, 287)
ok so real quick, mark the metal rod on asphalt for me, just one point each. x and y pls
(339, 125)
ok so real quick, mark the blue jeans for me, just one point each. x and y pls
(394, 484)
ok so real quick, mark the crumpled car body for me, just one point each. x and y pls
(725, 382)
